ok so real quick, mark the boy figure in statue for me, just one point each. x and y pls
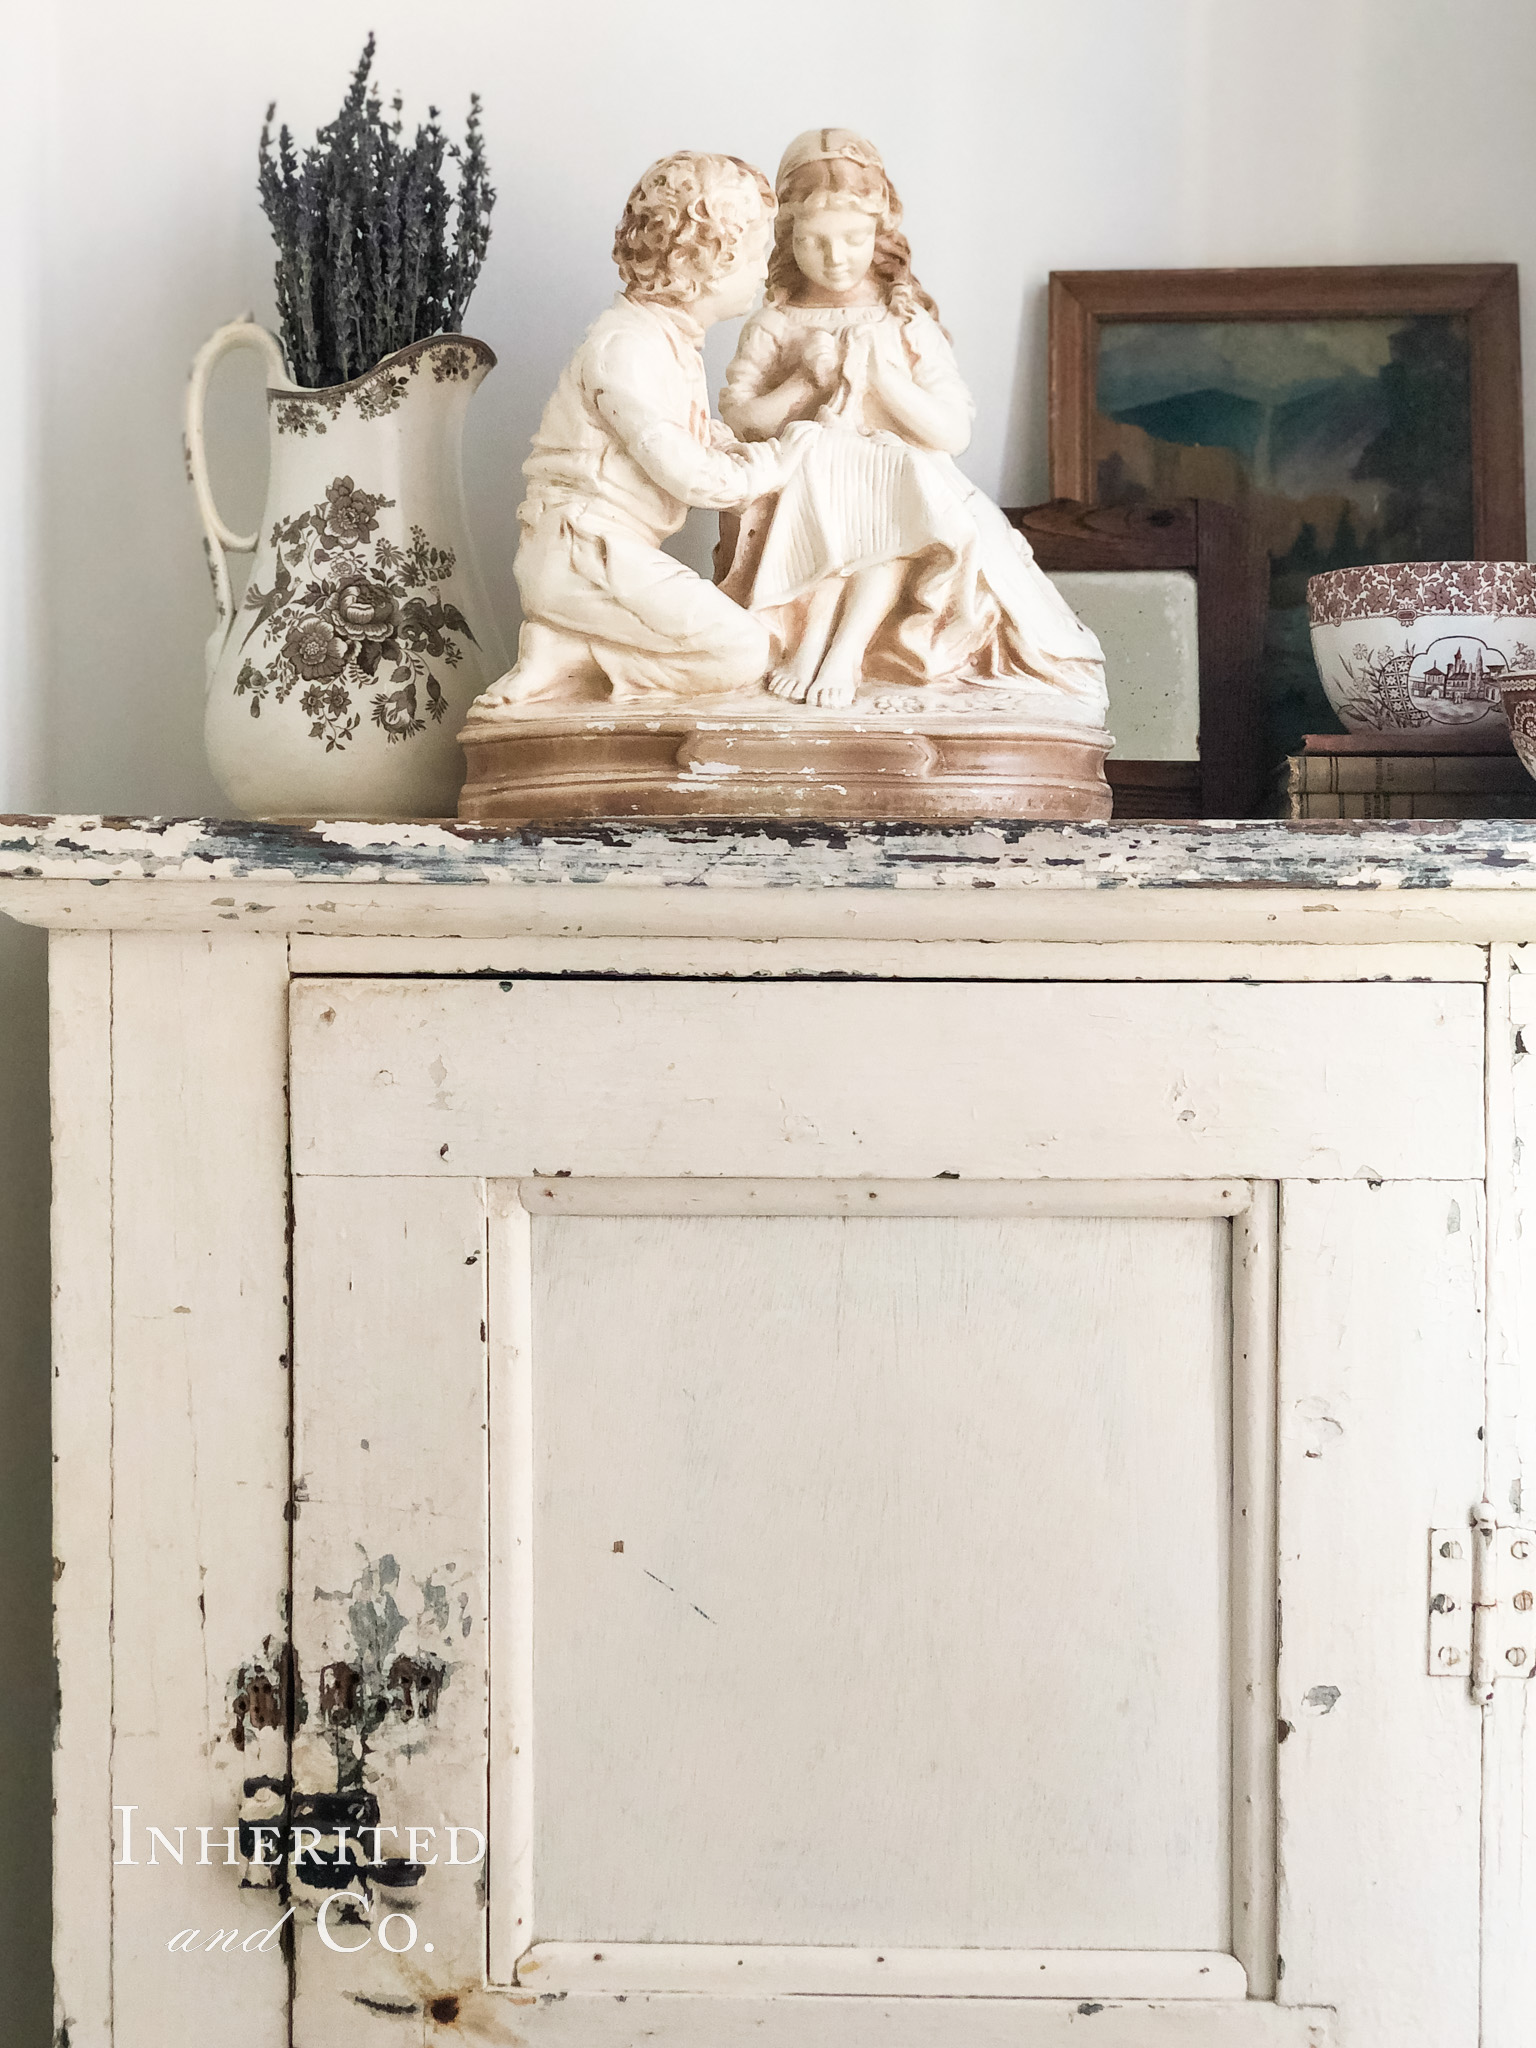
(880, 562)
(627, 444)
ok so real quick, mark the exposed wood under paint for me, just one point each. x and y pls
(1345, 854)
(848, 895)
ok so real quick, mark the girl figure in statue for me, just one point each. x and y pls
(878, 561)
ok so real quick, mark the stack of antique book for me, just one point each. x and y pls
(1359, 775)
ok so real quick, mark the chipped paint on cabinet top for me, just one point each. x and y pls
(1008, 854)
(1310, 885)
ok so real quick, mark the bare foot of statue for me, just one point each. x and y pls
(835, 687)
(551, 666)
(867, 598)
(799, 673)
(513, 688)
(794, 680)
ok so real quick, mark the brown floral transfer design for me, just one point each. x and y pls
(348, 613)
(299, 415)
(381, 390)
(1408, 591)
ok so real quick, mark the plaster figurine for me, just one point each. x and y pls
(856, 560)
(626, 445)
(878, 562)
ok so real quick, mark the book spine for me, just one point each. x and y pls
(1305, 804)
(1406, 774)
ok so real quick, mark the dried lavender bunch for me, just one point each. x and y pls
(372, 253)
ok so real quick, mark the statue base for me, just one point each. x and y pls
(568, 764)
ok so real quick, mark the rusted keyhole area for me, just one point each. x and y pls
(444, 2010)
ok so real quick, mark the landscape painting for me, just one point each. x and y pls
(1347, 441)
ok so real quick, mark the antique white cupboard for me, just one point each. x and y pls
(920, 1434)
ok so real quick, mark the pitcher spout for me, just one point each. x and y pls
(364, 632)
(444, 360)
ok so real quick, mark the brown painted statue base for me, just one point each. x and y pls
(566, 765)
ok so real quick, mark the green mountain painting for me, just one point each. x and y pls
(1346, 441)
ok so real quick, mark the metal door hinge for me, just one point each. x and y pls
(1482, 1602)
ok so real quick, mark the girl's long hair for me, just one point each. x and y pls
(869, 188)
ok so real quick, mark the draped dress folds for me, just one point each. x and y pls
(975, 607)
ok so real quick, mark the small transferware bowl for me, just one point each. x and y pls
(1417, 650)
(1519, 697)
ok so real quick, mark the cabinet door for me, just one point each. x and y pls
(795, 1469)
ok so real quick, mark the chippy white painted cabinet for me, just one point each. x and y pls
(824, 1440)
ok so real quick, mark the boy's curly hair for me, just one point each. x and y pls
(683, 222)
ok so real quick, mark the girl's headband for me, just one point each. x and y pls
(834, 145)
(827, 145)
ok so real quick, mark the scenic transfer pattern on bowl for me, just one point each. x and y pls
(1520, 709)
(1419, 650)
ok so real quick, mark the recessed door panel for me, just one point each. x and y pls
(880, 1580)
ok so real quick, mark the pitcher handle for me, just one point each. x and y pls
(219, 540)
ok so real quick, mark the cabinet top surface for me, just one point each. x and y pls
(433, 879)
(1009, 855)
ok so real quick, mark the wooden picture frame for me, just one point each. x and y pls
(1387, 427)
(1083, 302)
(1212, 542)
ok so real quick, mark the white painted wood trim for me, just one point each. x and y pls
(390, 1569)
(1381, 1406)
(1254, 1582)
(629, 1966)
(201, 1482)
(890, 959)
(912, 1080)
(773, 1197)
(80, 1088)
(745, 907)
(683, 2020)
(1508, 1985)
(511, 1791)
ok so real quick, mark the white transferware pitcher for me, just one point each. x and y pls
(338, 685)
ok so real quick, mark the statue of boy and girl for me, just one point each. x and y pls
(855, 554)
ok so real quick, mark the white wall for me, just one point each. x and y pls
(1023, 134)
